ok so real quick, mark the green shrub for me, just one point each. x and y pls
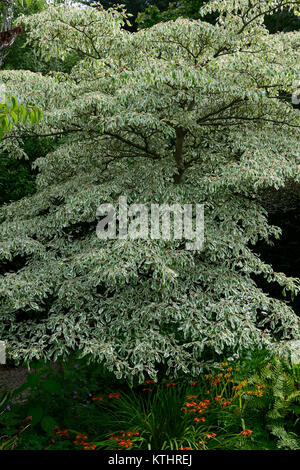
(251, 403)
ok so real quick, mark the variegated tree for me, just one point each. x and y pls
(184, 112)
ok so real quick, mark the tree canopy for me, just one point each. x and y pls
(183, 112)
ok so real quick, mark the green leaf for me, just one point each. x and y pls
(37, 364)
(14, 117)
(51, 386)
(37, 413)
(48, 423)
(32, 380)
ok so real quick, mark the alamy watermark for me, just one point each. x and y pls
(154, 222)
(2, 92)
(296, 94)
(2, 352)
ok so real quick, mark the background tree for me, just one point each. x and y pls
(156, 13)
(133, 7)
(8, 33)
(284, 20)
(281, 20)
(15, 178)
(183, 112)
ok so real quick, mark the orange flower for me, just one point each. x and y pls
(149, 381)
(247, 432)
(89, 446)
(65, 433)
(81, 436)
(226, 402)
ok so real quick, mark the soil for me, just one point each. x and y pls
(12, 378)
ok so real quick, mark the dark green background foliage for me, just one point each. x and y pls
(17, 177)
(173, 10)
(282, 21)
(134, 7)
(22, 56)
(284, 254)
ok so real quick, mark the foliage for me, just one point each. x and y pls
(73, 405)
(284, 253)
(183, 112)
(8, 34)
(133, 7)
(15, 178)
(12, 442)
(20, 55)
(282, 417)
(284, 20)
(11, 112)
(180, 9)
(281, 20)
